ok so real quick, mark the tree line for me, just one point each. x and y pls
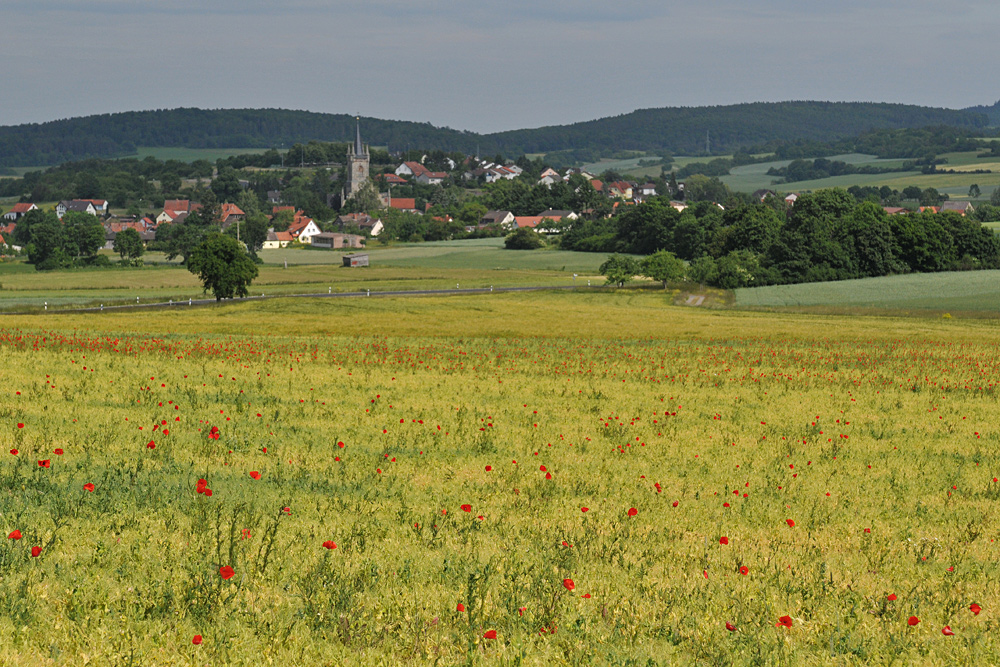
(827, 235)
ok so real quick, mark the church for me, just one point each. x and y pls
(358, 164)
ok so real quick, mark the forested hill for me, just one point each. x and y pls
(119, 134)
(992, 112)
(683, 130)
(678, 130)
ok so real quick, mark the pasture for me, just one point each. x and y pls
(546, 478)
(471, 264)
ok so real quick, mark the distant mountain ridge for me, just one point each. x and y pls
(677, 130)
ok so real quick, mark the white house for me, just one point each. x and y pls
(76, 206)
(304, 229)
(18, 211)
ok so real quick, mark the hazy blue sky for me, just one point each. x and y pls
(490, 66)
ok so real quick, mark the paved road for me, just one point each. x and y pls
(333, 295)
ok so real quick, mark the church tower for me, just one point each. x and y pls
(358, 159)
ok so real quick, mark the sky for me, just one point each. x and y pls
(487, 66)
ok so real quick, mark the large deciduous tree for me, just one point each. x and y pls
(223, 266)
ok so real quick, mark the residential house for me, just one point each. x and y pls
(393, 179)
(18, 211)
(274, 196)
(175, 210)
(75, 206)
(549, 176)
(960, 207)
(761, 195)
(895, 210)
(277, 240)
(411, 169)
(408, 204)
(647, 190)
(363, 221)
(930, 209)
(501, 218)
(619, 189)
(558, 215)
(678, 205)
(304, 229)
(791, 199)
(334, 240)
(530, 221)
(431, 177)
(231, 213)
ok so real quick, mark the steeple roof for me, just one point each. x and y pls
(358, 147)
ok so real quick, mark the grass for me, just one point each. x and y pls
(971, 291)
(753, 177)
(474, 431)
(467, 264)
(192, 154)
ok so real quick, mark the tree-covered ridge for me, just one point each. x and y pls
(678, 130)
(684, 130)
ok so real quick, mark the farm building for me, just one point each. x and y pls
(356, 260)
(334, 240)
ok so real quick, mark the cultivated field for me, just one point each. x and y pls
(967, 291)
(593, 478)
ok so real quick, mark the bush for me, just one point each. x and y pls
(524, 238)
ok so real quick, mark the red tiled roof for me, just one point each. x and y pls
(529, 220)
(403, 203)
(177, 205)
(231, 209)
(21, 208)
(393, 178)
(417, 168)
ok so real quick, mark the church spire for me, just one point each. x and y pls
(358, 147)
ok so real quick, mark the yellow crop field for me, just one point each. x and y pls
(578, 478)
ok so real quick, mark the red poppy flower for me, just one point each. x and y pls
(330, 544)
(790, 522)
(460, 607)
(35, 551)
(947, 631)
(912, 620)
(744, 570)
(676, 503)
(16, 535)
(150, 445)
(891, 597)
(632, 511)
(568, 583)
(254, 474)
(340, 444)
(974, 608)
(58, 452)
(47, 463)
(88, 487)
(586, 596)
(490, 634)
(20, 425)
(730, 627)
(489, 468)
(226, 572)
(196, 639)
(584, 509)
(14, 452)
(784, 621)
(724, 540)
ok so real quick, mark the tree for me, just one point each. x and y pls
(524, 238)
(169, 182)
(128, 244)
(995, 197)
(663, 266)
(179, 239)
(84, 235)
(223, 266)
(619, 269)
(974, 191)
(252, 232)
(365, 199)
(45, 250)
